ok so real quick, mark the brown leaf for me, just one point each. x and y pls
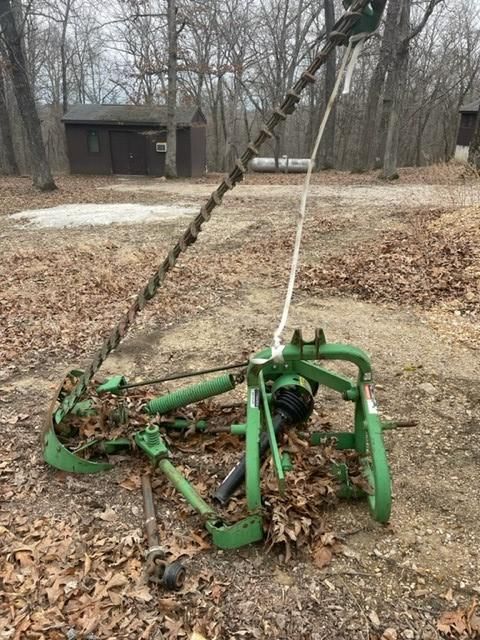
(132, 483)
(141, 593)
(283, 578)
(448, 595)
(24, 558)
(109, 515)
(117, 580)
(452, 622)
(87, 565)
(322, 556)
(374, 619)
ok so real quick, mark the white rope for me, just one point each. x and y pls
(360, 38)
(277, 336)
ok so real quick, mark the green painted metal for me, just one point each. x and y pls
(58, 456)
(184, 487)
(347, 489)
(112, 385)
(55, 453)
(287, 464)
(236, 535)
(192, 393)
(252, 450)
(324, 377)
(83, 409)
(369, 20)
(302, 366)
(238, 429)
(267, 416)
(151, 443)
(344, 439)
(376, 468)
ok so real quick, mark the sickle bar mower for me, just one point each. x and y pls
(280, 395)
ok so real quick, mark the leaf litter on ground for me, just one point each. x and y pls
(87, 575)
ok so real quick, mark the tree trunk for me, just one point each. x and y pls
(365, 159)
(474, 150)
(399, 77)
(10, 166)
(171, 159)
(63, 58)
(327, 148)
(42, 177)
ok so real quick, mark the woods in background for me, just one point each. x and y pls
(235, 59)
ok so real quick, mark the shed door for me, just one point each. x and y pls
(128, 152)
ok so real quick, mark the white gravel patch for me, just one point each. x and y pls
(76, 215)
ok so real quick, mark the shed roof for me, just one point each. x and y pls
(130, 114)
(470, 107)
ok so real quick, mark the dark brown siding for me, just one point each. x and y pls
(184, 167)
(198, 138)
(467, 127)
(121, 140)
(81, 160)
(155, 160)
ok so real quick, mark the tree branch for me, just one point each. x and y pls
(428, 12)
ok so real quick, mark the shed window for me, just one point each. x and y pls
(93, 143)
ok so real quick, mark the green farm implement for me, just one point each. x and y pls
(282, 381)
(280, 395)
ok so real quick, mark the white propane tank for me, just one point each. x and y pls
(285, 165)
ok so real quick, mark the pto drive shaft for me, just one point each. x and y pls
(293, 405)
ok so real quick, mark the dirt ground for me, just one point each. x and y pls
(72, 546)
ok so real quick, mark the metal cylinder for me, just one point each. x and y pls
(293, 404)
(285, 165)
(190, 394)
(187, 490)
(236, 477)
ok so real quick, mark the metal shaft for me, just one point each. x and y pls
(182, 375)
(150, 519)
(182, 485)
(236, 477)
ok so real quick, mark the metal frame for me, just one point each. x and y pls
(296, 364)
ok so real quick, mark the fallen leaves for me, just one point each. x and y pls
(43, 562)
(434, 261)
(462, 623)
(322, 556)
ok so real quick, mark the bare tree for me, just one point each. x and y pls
(236, 58)
(327, 150)
(12, 39)
(398, 81)
(365, 156)
(9, 160)
(171, 157)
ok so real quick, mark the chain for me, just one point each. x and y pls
(338, 36)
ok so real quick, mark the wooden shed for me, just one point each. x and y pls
(131, 139)
(468, 118)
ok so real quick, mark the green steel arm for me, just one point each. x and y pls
(277, 461)
(332, 380)
(294, 352)
(377, 472)
(252, 450)
(184, 487)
